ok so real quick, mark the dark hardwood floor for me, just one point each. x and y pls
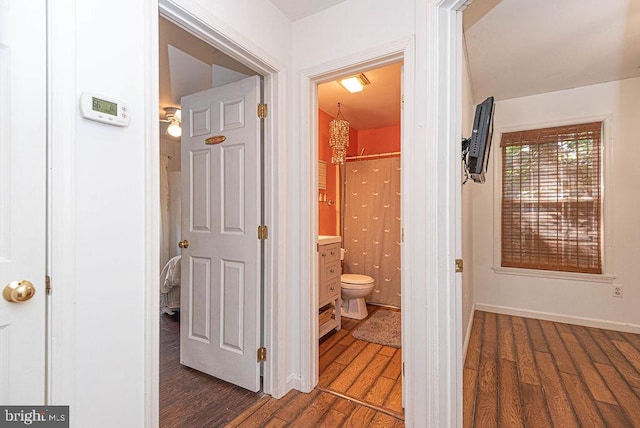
(523, 372)
(189, 398)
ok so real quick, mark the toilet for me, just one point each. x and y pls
(354, 288)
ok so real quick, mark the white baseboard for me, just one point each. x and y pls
(568, 319)
(294, 382)
(468, 334)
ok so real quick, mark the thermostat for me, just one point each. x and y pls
(104, 109)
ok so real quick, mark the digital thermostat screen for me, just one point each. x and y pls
(105, 106)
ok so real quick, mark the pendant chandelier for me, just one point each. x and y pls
(338, 138)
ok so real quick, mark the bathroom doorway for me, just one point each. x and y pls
(358, 202)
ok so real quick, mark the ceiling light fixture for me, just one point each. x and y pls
(354, 83)
(338, 138)
(174, 119)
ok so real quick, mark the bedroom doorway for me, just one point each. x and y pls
(188, 65)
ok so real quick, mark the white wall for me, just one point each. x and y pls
(258, 23)
(222, 75)
(620, 103)
(98, 214)
(467, 207)
(100, 237)
(187, 74)
(350, 28)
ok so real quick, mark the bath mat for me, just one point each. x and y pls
(383, 327)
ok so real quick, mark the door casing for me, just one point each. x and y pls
(399, 52)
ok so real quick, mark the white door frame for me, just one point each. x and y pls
(437, 307)
(310, 79)
(218, 35)
(431, 298)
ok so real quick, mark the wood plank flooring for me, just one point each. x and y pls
(367, 372)
(189, 398)
(360, 386)
(316, 409)
(523, 372)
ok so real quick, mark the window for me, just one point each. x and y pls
(552, 198)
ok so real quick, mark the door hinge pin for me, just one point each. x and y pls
(459, 265)
(47, 284)
(262, 354)
(262, 111)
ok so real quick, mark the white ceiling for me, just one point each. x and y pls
(524, 47)
(298, 9)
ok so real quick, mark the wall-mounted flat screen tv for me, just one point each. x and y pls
(477, 148)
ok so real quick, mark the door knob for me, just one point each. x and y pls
(183, 244)
(18, 291)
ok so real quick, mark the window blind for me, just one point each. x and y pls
(552, 198)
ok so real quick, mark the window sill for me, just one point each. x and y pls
(570, 276)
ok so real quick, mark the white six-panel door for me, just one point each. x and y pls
(220, 301)
(22, 199)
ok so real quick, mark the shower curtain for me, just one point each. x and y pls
(372, 226)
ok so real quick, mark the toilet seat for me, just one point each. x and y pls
(352, 280)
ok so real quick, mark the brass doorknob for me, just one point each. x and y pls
(183, 244)
(18, 291)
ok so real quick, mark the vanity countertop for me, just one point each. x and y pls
(328, 239)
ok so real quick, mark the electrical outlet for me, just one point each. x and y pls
(617, 290)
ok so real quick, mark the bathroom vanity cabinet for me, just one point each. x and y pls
(329, 270)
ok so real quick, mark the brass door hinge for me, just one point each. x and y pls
(262, 354)
(263, 232)
(262, 111)
(459, 266)
(47, 284)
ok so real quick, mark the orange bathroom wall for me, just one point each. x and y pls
(379, 140)
(328, 214)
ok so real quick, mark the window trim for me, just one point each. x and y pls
(607, 139)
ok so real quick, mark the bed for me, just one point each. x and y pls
(170, 287)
